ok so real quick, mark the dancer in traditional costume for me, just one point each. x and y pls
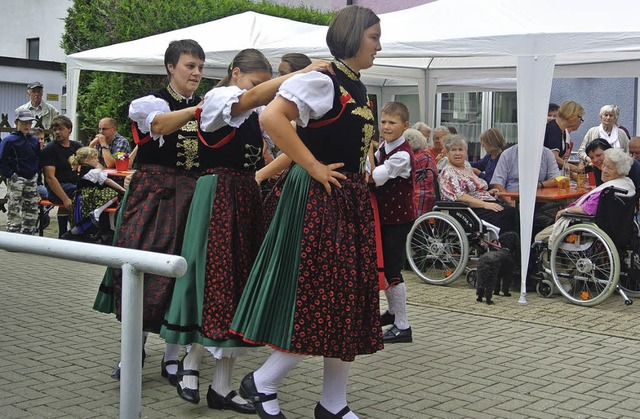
(224, 229)
(158, 197)
(313, 289)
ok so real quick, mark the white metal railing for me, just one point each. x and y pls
(134, 264)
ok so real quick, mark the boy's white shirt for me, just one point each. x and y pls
(398, 165)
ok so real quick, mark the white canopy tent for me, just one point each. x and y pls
(446, 42)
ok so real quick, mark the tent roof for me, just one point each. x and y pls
(221, 40)
(463, 37)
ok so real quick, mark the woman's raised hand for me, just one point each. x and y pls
(318, 65)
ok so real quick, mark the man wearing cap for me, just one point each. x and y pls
(40, 109)
(109, 142)
(20, 164)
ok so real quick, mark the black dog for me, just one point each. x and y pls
(496, 268)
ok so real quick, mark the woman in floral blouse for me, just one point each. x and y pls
(459, 183)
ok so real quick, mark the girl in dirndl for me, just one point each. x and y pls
(313, 289)
(223, 228)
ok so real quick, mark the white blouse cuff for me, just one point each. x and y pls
(216, 109)
(96, 176)
(312, 93)
(143, 110)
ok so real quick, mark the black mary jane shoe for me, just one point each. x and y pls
(217, 401)
(321, 413)
(188, 394)
(173, 378)
(115, 374)
(249, 391)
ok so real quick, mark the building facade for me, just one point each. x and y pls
(30, 51)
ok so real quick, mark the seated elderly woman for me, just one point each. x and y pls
(614, 173)
(459, 183)
(424, 194)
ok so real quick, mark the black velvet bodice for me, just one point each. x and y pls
(180, 148)
(344, 133)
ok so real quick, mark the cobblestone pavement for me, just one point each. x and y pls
(544, 359)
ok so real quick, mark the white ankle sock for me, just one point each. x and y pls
(269, 376)
(397, 298)
(334, 386)
(192, 362)
(171, 353)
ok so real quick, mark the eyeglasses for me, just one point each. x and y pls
(580, 119)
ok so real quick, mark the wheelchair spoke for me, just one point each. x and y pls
(435, 249)
(583, 265)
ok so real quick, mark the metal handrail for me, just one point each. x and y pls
(134, 263)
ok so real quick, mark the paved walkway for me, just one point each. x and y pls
(545, 359)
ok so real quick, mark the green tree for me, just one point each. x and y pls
(97, 23)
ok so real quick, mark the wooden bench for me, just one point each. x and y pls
(46, 206)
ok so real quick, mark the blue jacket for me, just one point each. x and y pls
(19, 154)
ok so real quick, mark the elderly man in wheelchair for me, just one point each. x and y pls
(579, 255)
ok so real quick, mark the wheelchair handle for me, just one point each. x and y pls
(618, 190)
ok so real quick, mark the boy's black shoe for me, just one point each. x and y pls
(387, 318)
(395, 335)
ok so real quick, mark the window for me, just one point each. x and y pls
(463, 111)
(33, 48)
(505, 115)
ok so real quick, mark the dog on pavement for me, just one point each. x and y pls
(496, 268)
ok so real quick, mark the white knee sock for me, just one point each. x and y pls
(397, 298)
(171, 353)
(98, 211)
(269, 376)
(334, 386)
(221, 382)
(192, 362)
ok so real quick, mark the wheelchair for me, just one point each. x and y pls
(441, 242)
(594, 256)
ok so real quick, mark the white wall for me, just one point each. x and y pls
(22, 19)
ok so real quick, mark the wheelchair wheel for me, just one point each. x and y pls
(472, 278)
(630, 277)
(437, 248)
(585, 265)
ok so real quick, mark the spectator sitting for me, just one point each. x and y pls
(425, 130)
(61, 180)
(20, 164)
(459, 183)
(95, 192)
(596, 152)
(608, 129)
(634, 147)
(39, 134)
(436, 151)
(615, 168)
(506, 176)
(494, 144)
(109, 142)
(552, 113)
(424, 195)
